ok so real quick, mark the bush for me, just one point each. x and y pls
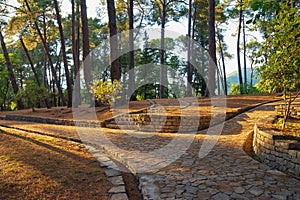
(235, 89)
(32, 94)
(106, 92)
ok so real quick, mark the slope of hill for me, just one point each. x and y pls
(234, 78)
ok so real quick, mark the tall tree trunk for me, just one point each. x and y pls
(64, 54)
(87, 70)
(45, 77)
(219, 81)
(189, 65)
(193, 42)
(162, 51)
(75, 51)
(223, 63)
(58, 68)
(224, 72)
(10, 70)
(131, 51)
(33, 69)
(55, 100)
(114, 49)
(245, 57)
(30, 62)
(212, 50)
(238, 47)
(46, 50)
(251, 73)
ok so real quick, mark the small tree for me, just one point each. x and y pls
(32, 94)
(235, 89)
(105, 92)
(281, 70)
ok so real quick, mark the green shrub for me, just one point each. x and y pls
(32, 94)
(106, 92)
(13, 105)
(235, 89)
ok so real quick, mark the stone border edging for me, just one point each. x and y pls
(43, 120)
(45, 134)
(146, 186)
(277, 150)
(112, 172)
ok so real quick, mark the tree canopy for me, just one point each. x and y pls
(42, 48)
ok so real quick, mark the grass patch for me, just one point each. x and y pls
(64, 182)
(47, 139)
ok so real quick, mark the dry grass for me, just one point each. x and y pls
(40, 167)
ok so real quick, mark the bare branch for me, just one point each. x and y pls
(8, 5)
(176, 1)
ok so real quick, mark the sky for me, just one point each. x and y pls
(181, 27)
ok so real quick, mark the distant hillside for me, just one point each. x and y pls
(234, 78)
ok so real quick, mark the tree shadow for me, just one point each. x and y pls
(59, 171)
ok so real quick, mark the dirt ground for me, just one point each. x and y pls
(292, 127)
(41, 167)
(104, 112)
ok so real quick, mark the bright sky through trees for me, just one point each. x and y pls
(180, 27)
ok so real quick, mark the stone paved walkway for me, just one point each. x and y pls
(225, 173)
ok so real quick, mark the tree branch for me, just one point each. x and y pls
(176, 1)
(8, 5)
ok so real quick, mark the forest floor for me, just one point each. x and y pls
(28, 163)
(40, 167)
(233, 104)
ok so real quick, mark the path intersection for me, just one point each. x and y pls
(226, 172)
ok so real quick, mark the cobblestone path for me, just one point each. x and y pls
(226, 172)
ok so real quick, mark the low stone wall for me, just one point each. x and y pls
(65, 122)
(156, 119)
(278, 151)
(154, 122)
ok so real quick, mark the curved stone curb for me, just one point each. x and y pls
(40, 133)
(65, 122)
(113, 173)
(147, 186)
(276, 150)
